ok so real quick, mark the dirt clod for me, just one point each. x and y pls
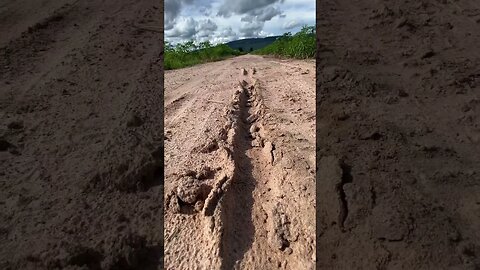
(134, 120)
(4, 145)
(15, 125)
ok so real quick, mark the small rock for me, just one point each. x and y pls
(267, 151)
(342, 116)
(288, 251)
(244, 71)
(122, 218)
(4, 145)
(391, 100)
(134, 120)
(172, 202)
(252, 118)
(199, 206)
(402, 93)
(428, 54)
(13, 151)
(15, 125)
(253, 129)
(205, 172)
(400, 23)
(331, 73)
(255, 143)
(209, 147)
(372, 136)
(188, 191)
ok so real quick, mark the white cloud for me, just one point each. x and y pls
(225, 35)
(241, 7)
(251, 29)
(262, 15)
(172, 10)
(227, 20)
(205, 28)
(184, 28)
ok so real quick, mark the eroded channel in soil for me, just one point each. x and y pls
(241, 217)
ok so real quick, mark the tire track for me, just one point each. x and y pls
(238, 230)
(243, 216)
(256, 228)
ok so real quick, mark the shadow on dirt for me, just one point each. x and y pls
(236, 216)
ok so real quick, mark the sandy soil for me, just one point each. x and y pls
(81, 135)
(398, 135)
(239, 165)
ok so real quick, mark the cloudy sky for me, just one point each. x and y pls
(225, 20)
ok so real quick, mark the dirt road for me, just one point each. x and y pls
(80, 134)
(398, 135)
(240, 165)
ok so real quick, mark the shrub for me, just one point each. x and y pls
(189, 54)
(302, 45)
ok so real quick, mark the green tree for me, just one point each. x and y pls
(186, 47)
(168, 47)
(205, 45)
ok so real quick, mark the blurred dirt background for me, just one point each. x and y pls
(398, 134)
(81, 159)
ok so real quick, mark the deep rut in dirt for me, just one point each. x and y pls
(246, 215)
(236, 214)
(249, 233)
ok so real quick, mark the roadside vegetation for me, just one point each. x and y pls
(301, 45)
(189, 53)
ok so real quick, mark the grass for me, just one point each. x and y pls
(302, 45)
(189, 54)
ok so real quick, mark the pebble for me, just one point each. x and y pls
(134, 120)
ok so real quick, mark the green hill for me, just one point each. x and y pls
(251, 44)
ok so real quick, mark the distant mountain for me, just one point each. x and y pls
(251, 44)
